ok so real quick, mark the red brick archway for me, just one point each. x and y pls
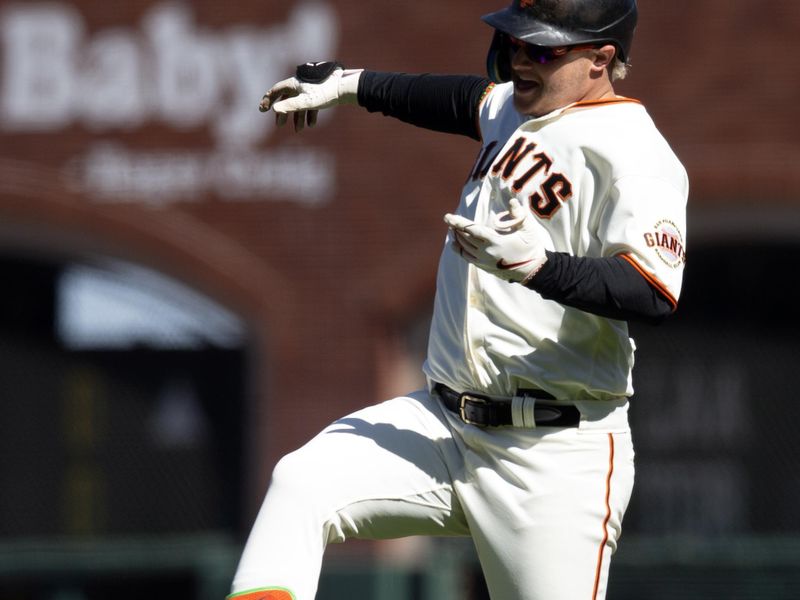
(40, 215)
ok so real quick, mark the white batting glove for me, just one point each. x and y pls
(315, 86)
(512, 249)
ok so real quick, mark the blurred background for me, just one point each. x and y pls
(188, 292)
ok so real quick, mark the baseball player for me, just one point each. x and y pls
(571, 223)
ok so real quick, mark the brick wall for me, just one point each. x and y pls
(131, 130)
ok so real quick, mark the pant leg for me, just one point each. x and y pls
(545, 509)
(381, 472)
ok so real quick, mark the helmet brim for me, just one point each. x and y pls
(524, 26)
(519, 24)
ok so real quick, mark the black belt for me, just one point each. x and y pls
(485, 411)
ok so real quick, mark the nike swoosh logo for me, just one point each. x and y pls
(504, 266)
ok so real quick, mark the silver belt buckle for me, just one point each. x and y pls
(462, 402)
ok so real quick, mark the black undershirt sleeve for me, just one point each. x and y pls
(609, 287)
(445, 103)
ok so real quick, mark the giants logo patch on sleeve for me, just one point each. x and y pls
(667, 241)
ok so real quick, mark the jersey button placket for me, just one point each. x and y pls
(474, 333)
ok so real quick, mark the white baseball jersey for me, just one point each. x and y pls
(601, 181)
(543, 505)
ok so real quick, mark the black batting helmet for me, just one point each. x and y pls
(559, 23)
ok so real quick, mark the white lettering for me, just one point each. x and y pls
(186, 73)
(257, 58)
(116, 175)
(39, 46)
(170, 71)
(110, 92)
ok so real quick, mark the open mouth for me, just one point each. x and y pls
(525, 85)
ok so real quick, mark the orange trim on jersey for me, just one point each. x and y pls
(601, 552)
(603, 101)
(263, 594)
(486, 92)
(652, 280)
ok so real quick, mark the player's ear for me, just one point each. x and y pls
(603, 57)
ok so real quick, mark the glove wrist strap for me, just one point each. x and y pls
(527, 279)
(348, 86)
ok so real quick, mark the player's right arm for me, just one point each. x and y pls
(445, 103)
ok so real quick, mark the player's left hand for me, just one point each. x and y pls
(511, 249)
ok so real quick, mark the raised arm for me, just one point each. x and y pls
(445, 103)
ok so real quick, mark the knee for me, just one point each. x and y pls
(295, 474)
(299, 490)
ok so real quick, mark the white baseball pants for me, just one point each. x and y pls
(543, 506)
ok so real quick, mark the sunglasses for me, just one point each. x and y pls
(543, 54)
